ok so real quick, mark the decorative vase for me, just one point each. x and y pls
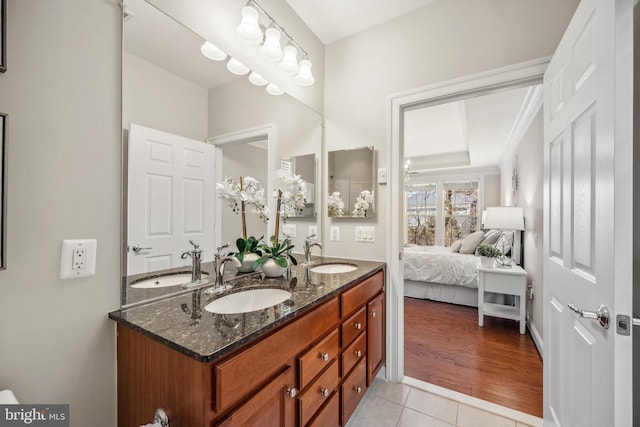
(247, 262)
(271, 268)
(487, 261)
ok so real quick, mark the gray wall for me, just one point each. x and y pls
(439, 42)
(530, 168)
(62, 94)
(636, 213)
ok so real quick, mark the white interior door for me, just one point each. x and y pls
(171, 199)
(588, 217)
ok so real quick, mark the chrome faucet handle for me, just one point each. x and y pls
(220, 248)
(195, 245)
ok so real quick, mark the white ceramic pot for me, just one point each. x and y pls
(247, 262)
(486, 261)
(271, 268)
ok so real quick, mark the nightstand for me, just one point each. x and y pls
(507, 281)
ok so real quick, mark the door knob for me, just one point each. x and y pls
(137, 248)
(601, 314)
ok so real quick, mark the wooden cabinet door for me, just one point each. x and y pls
(375, 336)
(272, 405)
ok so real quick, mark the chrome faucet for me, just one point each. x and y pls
(196, 261)
(220, 261)
(308, 244)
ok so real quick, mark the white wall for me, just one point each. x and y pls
(439, 42)
(62, 94)
(157, 99)
(530, 168)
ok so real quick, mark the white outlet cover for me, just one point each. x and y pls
(335, 234)
(66, 258)
(313, 230)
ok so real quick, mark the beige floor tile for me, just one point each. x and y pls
(375, 411)
(432, 405)
(472, 417)
(411, 418)
(395, 392)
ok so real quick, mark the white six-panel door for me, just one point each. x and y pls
(587, 217)
(171, 199)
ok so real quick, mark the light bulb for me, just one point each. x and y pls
(289, 62)
(274, 90)
(304, 76)
(248, 30)
(257, 79)
(271, 49)
(237, 67)
(212, 51)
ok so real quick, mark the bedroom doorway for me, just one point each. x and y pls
(453, 217)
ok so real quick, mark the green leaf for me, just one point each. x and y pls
(282, 262)
(241, 244)
(240, 256)
(257, 263)
(293, 260)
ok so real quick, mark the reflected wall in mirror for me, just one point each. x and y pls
(351, 183)
(305, 166)
(171, 88)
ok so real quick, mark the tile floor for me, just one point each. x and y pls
(419, 404)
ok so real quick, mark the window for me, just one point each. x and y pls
(442, 211)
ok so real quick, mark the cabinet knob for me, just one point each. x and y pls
(292, 392)
(373, 314)
(357, 389)
(324, 357)
(358, 353)
(358, 325)
(324, 392)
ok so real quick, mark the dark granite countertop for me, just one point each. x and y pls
(206, 336)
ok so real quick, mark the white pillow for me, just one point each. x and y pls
(490, 238)
(455, 246)
(471, 242)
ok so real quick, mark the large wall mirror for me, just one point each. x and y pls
(352, 183)
(305, 166)
(176, 104)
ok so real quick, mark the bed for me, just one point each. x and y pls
(437, 273)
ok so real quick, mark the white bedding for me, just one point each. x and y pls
(436, 264)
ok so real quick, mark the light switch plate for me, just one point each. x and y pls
(382, 175)
(335, 234)
(78, 258)
(313, 231)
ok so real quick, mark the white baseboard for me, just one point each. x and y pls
(537, 339)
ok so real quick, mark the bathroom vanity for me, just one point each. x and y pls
(307, 361)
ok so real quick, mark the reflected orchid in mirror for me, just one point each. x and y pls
(363, 202)
(248, 192)
(335, 204)
(290, 189)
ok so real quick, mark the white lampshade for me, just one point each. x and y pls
(257, 79)
(289, 62)
(271, 49)
(248, 30)
(212, 52)
(504, 218)
(274, 90)
(304, 76)
(237, 67)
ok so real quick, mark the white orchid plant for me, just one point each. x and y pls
(289, 190)
(335, 204)
(363, 202)
(239, 196)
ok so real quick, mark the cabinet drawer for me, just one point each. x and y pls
(319, 357)
(329, 415)
(241, 374)
(353, 354)
(318, 392)
(361, 293)
(353, 389)
(353, 326)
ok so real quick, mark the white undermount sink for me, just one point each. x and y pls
(334, 268)
(249, 300)
(165, 281)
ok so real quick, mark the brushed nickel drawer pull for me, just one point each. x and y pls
(358, 325)
(324, 357)
(357, 389)
(292, 392)
(324, 392)
(358, 353)
(373, 314)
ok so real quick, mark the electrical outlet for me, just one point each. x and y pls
(313, 231)
(78, 258)
(335, 234)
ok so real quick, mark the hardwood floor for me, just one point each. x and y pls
(445, 346)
